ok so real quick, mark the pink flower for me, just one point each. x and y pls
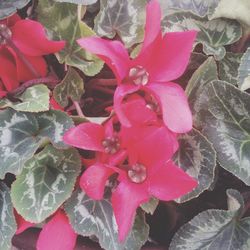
(162, 59)
(20, 41)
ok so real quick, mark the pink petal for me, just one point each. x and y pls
(174, 104)
(22, 224)
(125, 200)
(93, 180)
(153, 23)
(112, 52)
(54, 105)
(10, 21)
(57, 234)
(172, 56)
(8, 72)
(120, 93)
(29, 36)
(170, 182)
(87, 136)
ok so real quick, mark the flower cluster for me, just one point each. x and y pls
(22, 46)
(137, 143)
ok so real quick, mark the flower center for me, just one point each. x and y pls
(139, 75)
(137, 173)
(5, 34)
(111, 145)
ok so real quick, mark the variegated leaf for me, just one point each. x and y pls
(216, 229)
(125, 18)
(225, 112)
(150, 206)
(22, 133)
(244, 71)
(9, 7)
(62, 23)
(46, 181)
(228, 68)
(197, 157)
(83, 2)
(7, 220)
(34, 99)
(206, 73)
(96, 218)
(71, 86)
(213, 34)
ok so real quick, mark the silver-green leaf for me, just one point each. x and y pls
(196, 157)
(21, 134)
(83, 2)
(8, 224)
(62, 23)
(125, 18)
(244, 71)
(213, 34)
(9, 7)
(95, 218)
(46, 181)
(225, 112)
(216, 229)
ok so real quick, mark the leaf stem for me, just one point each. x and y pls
(78, 109)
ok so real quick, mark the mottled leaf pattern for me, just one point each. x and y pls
(7, 220)
(84, 2)
(225, 111)
(216, 229)
(71, 86)
(46, 181)
(197, 157)
(22, 133)
(9, 7)
(125, 18)
(96, 218)
(34, 99)
(244, 71)
(213, 34)
(62, 23)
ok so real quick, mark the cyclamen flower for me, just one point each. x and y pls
(162, 59)
(22, 43)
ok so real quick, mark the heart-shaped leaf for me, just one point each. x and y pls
(22, 133)
(96, 218)
(62, 23)
(46, 181)
(8, 224)
(216, 229)
(125, 18)
(244, 71)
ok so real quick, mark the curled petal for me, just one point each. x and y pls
(174, 104)
(93, 180)
(87, 136)
(57, 234)
(29, 36)
(170, 182)
(125, 205)
(112, 52)
(120, 93)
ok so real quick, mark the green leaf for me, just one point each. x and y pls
(225, 112)
(96, 218)
(233, 9)
(197, 157)
(244, 71)
(228, 68)
(9, 7)
(46, 181)
(206, 73)
(62, 23)
(34, 99)
(213, 34)
(21, 134)
(83, 2)
(150, 206)
(197, 7)
(216, 229)
(125, 18)
(71, 86)
(8, 224)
